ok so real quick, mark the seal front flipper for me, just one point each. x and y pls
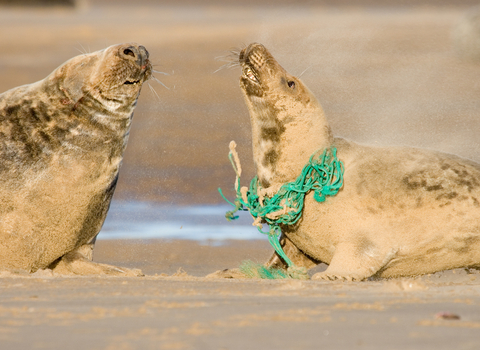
(79, 263)
(299, 258)
(350, 264)
(74, 263)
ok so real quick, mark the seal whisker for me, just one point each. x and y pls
(227, 66)
(153, 91)
(158, 81)
(160, 72)
(231, 60)
(83, 51)
(226, 58)
(299, 76)
(230, 57)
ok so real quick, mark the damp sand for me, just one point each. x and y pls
(174, 307)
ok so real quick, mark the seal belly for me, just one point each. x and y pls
(55, 211)
(406, 227)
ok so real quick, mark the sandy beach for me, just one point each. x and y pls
(385, 75)
(173, 308)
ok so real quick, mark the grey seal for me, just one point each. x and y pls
(401, 211)
(62, 141)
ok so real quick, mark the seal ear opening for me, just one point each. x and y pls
(73, 87)
(74, 77)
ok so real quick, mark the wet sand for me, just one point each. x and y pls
(384, 76)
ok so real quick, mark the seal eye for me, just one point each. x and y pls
(291, 84)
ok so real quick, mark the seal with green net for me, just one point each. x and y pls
(323, 174)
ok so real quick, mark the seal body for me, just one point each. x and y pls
(61, 145)
(401, 211)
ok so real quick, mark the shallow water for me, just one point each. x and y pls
(142, 220)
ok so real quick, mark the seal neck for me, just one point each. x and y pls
(85, 123)
(283, 144)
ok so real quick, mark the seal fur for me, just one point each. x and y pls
(61, 145)
(401, 212)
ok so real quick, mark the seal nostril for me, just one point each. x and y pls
(128, 52)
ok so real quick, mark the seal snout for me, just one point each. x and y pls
(136, 58)
(253, 59)
(251, 54)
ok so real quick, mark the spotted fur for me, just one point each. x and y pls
(401, 212)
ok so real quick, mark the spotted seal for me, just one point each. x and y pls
(62, 141)
(401, 211)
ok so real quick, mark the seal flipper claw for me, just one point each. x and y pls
(349, 264)
(87, 249)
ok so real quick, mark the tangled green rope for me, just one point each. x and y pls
(323, 174)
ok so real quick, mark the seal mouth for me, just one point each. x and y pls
(253, 60)
(140, 77)
(137, 57)
(131, 82)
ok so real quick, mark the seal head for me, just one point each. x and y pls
(282, 111)
(401, 211)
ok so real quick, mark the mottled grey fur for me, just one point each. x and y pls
(61, 145)
(401, 211)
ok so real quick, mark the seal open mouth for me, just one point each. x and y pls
(250, 75)
(132, 82)
(254, 60)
